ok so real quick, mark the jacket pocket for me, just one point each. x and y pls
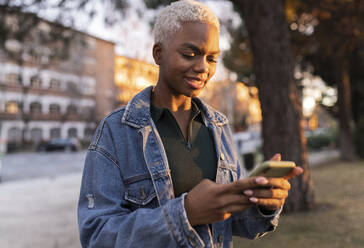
(140, 193)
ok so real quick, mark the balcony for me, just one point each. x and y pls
(11, 87)
(63, 117)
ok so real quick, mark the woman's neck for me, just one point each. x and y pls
(163, 98)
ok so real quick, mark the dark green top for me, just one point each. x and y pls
(189, 160)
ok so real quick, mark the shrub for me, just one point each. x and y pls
(322, 140)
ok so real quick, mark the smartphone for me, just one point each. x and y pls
(273, 169)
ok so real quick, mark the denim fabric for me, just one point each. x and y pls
(127, 198)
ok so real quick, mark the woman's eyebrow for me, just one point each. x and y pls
(197, 49)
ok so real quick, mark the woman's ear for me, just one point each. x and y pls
(157, 53)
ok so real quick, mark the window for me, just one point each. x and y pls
(88, 132)
(12, 107)
(54, 84)
(55, 133)
(14, 135)
(88, 88)
(35, 81)
(72, 87)
(91, 43)
(54, 109)
(12, 78)
(35, 108)
(72, 133)
(71, 109)
(36, 135)
(89, 61)
(88, 110)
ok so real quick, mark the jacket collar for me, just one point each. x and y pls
(137, 111)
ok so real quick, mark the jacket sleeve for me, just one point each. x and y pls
(106, 220)
(251, 223)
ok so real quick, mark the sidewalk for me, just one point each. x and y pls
(317, 158)
(40, 213)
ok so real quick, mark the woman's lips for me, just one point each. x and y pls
(195, 83)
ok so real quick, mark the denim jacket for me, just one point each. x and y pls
(127, 197)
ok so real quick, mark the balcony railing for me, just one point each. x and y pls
(42, 91)
(4, 116)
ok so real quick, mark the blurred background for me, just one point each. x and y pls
(290, 79)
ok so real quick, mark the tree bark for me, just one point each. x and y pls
(346, 122)
(278, 93)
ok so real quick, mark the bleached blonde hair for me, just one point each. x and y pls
(174, 15)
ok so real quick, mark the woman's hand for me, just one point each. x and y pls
(210, 202)
(274, 194)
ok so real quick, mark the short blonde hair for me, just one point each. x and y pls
(174, 15)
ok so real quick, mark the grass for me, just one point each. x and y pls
(338, 220)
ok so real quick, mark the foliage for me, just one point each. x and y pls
(154, 4)
(239, 57)
(66, 11)
(317, 141)
(326, 36)
(326, 33)
(313, 24)
(19, 20)
(319, 20)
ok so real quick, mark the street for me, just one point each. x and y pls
(20, 166)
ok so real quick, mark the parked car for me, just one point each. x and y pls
(60, 144)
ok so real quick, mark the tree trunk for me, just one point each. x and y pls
(278, 93)
(346, 123)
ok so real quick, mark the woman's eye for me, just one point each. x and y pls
(188, 55)
(212, 59)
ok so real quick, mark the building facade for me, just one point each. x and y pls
(41, 99)
(132, 76)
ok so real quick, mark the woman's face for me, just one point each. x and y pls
(188, 60)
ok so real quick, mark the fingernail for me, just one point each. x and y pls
(248, 192)
(261, 180)
(253, 199)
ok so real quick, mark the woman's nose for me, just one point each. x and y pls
(201, 65)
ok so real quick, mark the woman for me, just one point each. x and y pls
(163, 171)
